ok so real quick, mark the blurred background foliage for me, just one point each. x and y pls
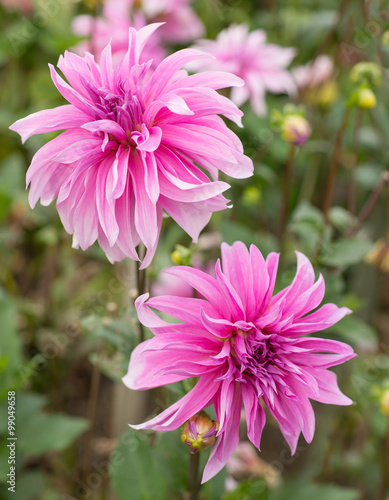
(66, 316)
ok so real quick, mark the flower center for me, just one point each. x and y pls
(255, 355)
(120, 119)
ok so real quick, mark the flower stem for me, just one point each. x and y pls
(91, 412)
(286, 188)
(141, 285)
(194, 483)
(352, 193)
(385, 464)
(334, 165)
(370, 204)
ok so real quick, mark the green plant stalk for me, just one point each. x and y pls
(370, 204)
(141, 286)
(334, 165)
(91, 412)
(193, 475)
(352, 193)
(286, 188)
(384, 465)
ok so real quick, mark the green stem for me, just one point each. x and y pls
(141, 285)
(385, 465)
(334, 165)
(194, 483)
(92, 408)
(286, 188)
(352, 193)
(370, 204)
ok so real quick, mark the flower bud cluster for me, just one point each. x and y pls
(366, 76)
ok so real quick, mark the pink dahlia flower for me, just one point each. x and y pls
(313, 74)
(262, 66)
(182, 26)
(133, 137)
(22, 6)
(245, 345)
(114, 27)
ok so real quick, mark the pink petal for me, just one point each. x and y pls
(228, 440)
(59, 118)
(194, 401)
(255, 416)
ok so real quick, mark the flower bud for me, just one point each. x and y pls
(379, 255)
(199, 432)
(182, 256)
(251, 196)
(366, 74)
(295, 130)
(385, 38)
(385, 403)
(365, 98)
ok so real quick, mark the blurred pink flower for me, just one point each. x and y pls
(314, 73)
(181, 26)
(173, 285)
(245, 345)
(114, 27)
(262, 66)
(22, 6)
(134, 136)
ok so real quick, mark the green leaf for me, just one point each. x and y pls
(345, 252)
(134, 461)
(134, 470)
(356, 332)
(249, 489)
(233, 231)
(38, 432)
(309, 491)
(29, 486)
(10, 345)
(45, 431)
(340, 218)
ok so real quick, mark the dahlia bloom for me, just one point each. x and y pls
(313, 74)
(262, 66)
(245, 345)
(22, 6)
(133, 136)
(182, 26)
(113, 27)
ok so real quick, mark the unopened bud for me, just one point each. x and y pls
(385, 38)
(251, 196)
(199, 432)
(385, 403)
(366, 74)
(379, 255)
(295, 130)
(182, 256)
(365, 98)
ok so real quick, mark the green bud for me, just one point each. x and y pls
(385, 38)
(366, 74)
(199, 432)
(365, 98)
(182, 256)
(251, 196)
(295, 130)
(384, 403)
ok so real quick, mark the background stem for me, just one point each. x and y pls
(334, 165)
(370, 204)
(385, 464)
(286, 188)
(194, 483)
(352, 193)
